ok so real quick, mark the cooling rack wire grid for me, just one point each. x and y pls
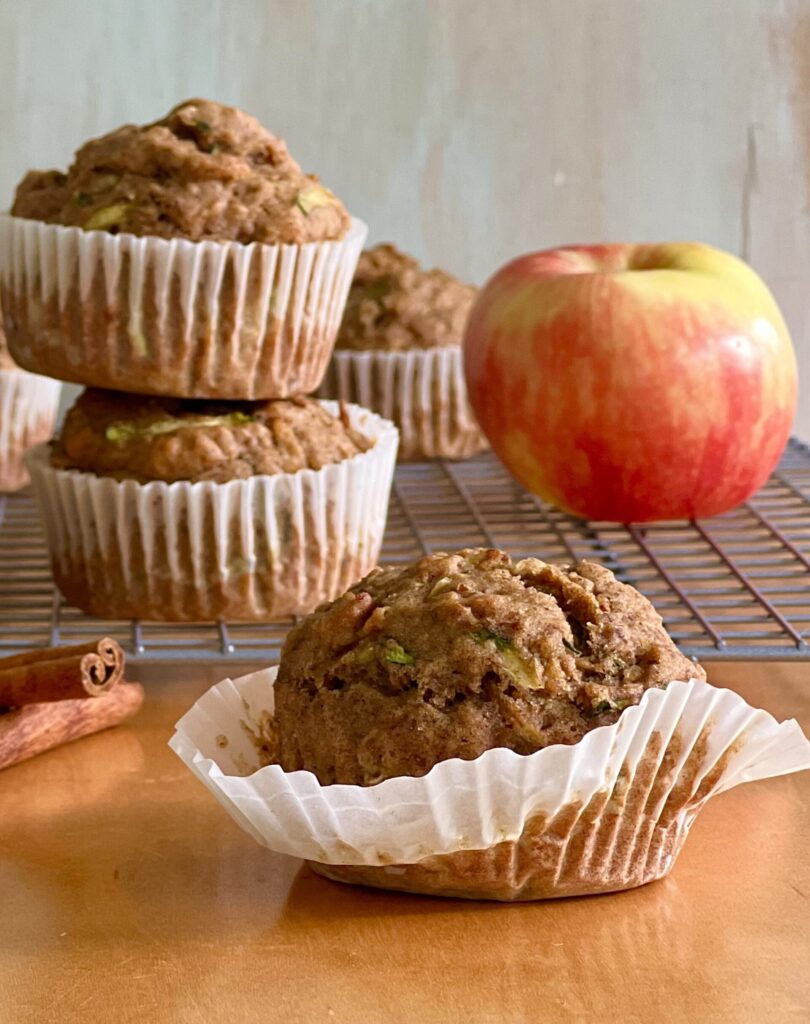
(735, 586)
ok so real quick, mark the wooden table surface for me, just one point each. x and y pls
(127, 895)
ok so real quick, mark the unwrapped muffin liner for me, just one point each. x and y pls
(422, 391)
(173, 317)
(251, 549)
(28, 405)
(608, 813)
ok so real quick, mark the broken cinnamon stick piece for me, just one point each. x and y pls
(36, 728)
(60, 673)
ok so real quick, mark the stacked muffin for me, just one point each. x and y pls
(399, 353)
(191, 270)
(28, 406)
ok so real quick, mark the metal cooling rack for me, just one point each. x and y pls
(736, 586)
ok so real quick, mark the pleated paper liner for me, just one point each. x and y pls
(422, 391)
(252, 549)
(173, 317)
(28, 405)
(609, 813)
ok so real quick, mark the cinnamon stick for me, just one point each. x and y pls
(60, 673)
(33, 729)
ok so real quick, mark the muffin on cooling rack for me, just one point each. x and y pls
(496, 729)
(28, 405)
(189, 257)
(399, 353)
(175, 509)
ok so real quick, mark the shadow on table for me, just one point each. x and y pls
(318, 899)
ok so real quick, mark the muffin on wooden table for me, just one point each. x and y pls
(461, 653)
(178, 509)
(475, 726)
(28, 405)
(399, 353)
(189, 257)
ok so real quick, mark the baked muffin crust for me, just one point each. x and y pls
(460, 653)
(204, 171)
(149, 438)
(394, 305)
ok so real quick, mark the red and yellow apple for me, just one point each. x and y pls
(632, 382)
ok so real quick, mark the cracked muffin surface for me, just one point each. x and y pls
(394, 305)
(204, 171)
(147, 438)
(460, 653)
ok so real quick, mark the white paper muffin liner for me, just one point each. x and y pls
(422, 391)
(608, 813)
(247, 550)
(28, 405)
(173, 317)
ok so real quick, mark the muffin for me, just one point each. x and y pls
(472, 726)
(396, 306)
(177, 509)
(461, 653)
(189, 257)
(399, 353)
(28, 405)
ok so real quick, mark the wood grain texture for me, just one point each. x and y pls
(129, 896)
(466, 131)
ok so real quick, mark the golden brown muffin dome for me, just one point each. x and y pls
(148, 438)
(394, 305)
(204, 171)
(460, 653)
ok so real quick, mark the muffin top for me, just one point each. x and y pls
(144, 438)
(460, 653)
(205, 171)
(394, 305)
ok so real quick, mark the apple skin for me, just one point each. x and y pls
(632, 383)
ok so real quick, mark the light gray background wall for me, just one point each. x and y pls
(466, 130)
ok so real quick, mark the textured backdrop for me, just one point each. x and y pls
(466, 130)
